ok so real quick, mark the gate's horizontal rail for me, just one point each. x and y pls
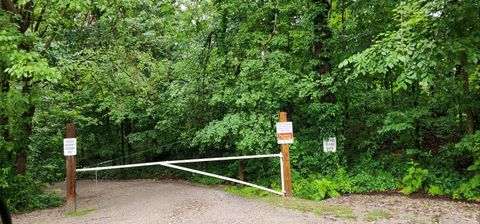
(119, 166)
(176, 161)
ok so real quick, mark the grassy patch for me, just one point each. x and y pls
(317, 207)
(247, 192)
(376, 214)
(336, 210)
(81, 212)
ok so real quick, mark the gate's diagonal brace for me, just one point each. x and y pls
(220, 177)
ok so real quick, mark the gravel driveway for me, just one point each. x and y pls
(149, 201)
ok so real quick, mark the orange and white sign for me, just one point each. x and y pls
(284, 133)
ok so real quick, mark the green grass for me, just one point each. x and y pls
(81, 212)
(376, 214)
(317, 207)
(247, 192)
(339, 211)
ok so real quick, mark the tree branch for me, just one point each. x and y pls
(40, 17)
(26, 15)
(274, 30)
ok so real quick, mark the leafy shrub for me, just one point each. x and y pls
(343, 181)
(3, 177)
(368, 181)
(414, 179)
(470, 147)
(435, 190)
(469, 190)
(315, 188)
(23, 193)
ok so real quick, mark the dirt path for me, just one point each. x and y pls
(148, 201)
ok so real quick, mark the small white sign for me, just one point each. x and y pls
(284, 133)
(69, 146)
(330, 144)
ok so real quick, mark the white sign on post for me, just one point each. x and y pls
(284, 133)
(330, 144)
(69, 146)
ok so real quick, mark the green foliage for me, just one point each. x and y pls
(205, 180)
(315, 188)
(4, 177)
(26, 194)
(470, 145)
(414, 179)
(162, 80)
(366, 181)
(434, 190)
(469, 190)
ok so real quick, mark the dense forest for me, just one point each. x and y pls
(396, 82)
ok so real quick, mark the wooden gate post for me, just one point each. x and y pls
(71, 172)
(242, 170)
(286, 160)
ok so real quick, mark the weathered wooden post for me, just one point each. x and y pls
(285, 137)
(70, 151)
(242, 170)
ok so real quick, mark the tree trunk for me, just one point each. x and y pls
(5, 87)
(21, 162)
(27, 125)
(22, 15)
(346, 115)
(128, 130)
(322, 34)
(466, 93)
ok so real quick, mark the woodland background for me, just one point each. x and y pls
(397, 82)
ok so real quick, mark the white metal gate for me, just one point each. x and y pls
(171, 165)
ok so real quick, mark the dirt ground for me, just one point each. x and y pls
(150, 201)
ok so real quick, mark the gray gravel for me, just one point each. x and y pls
(149, 201)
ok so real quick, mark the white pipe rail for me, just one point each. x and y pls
(119, 166)
(176, 161)
(169, 164)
